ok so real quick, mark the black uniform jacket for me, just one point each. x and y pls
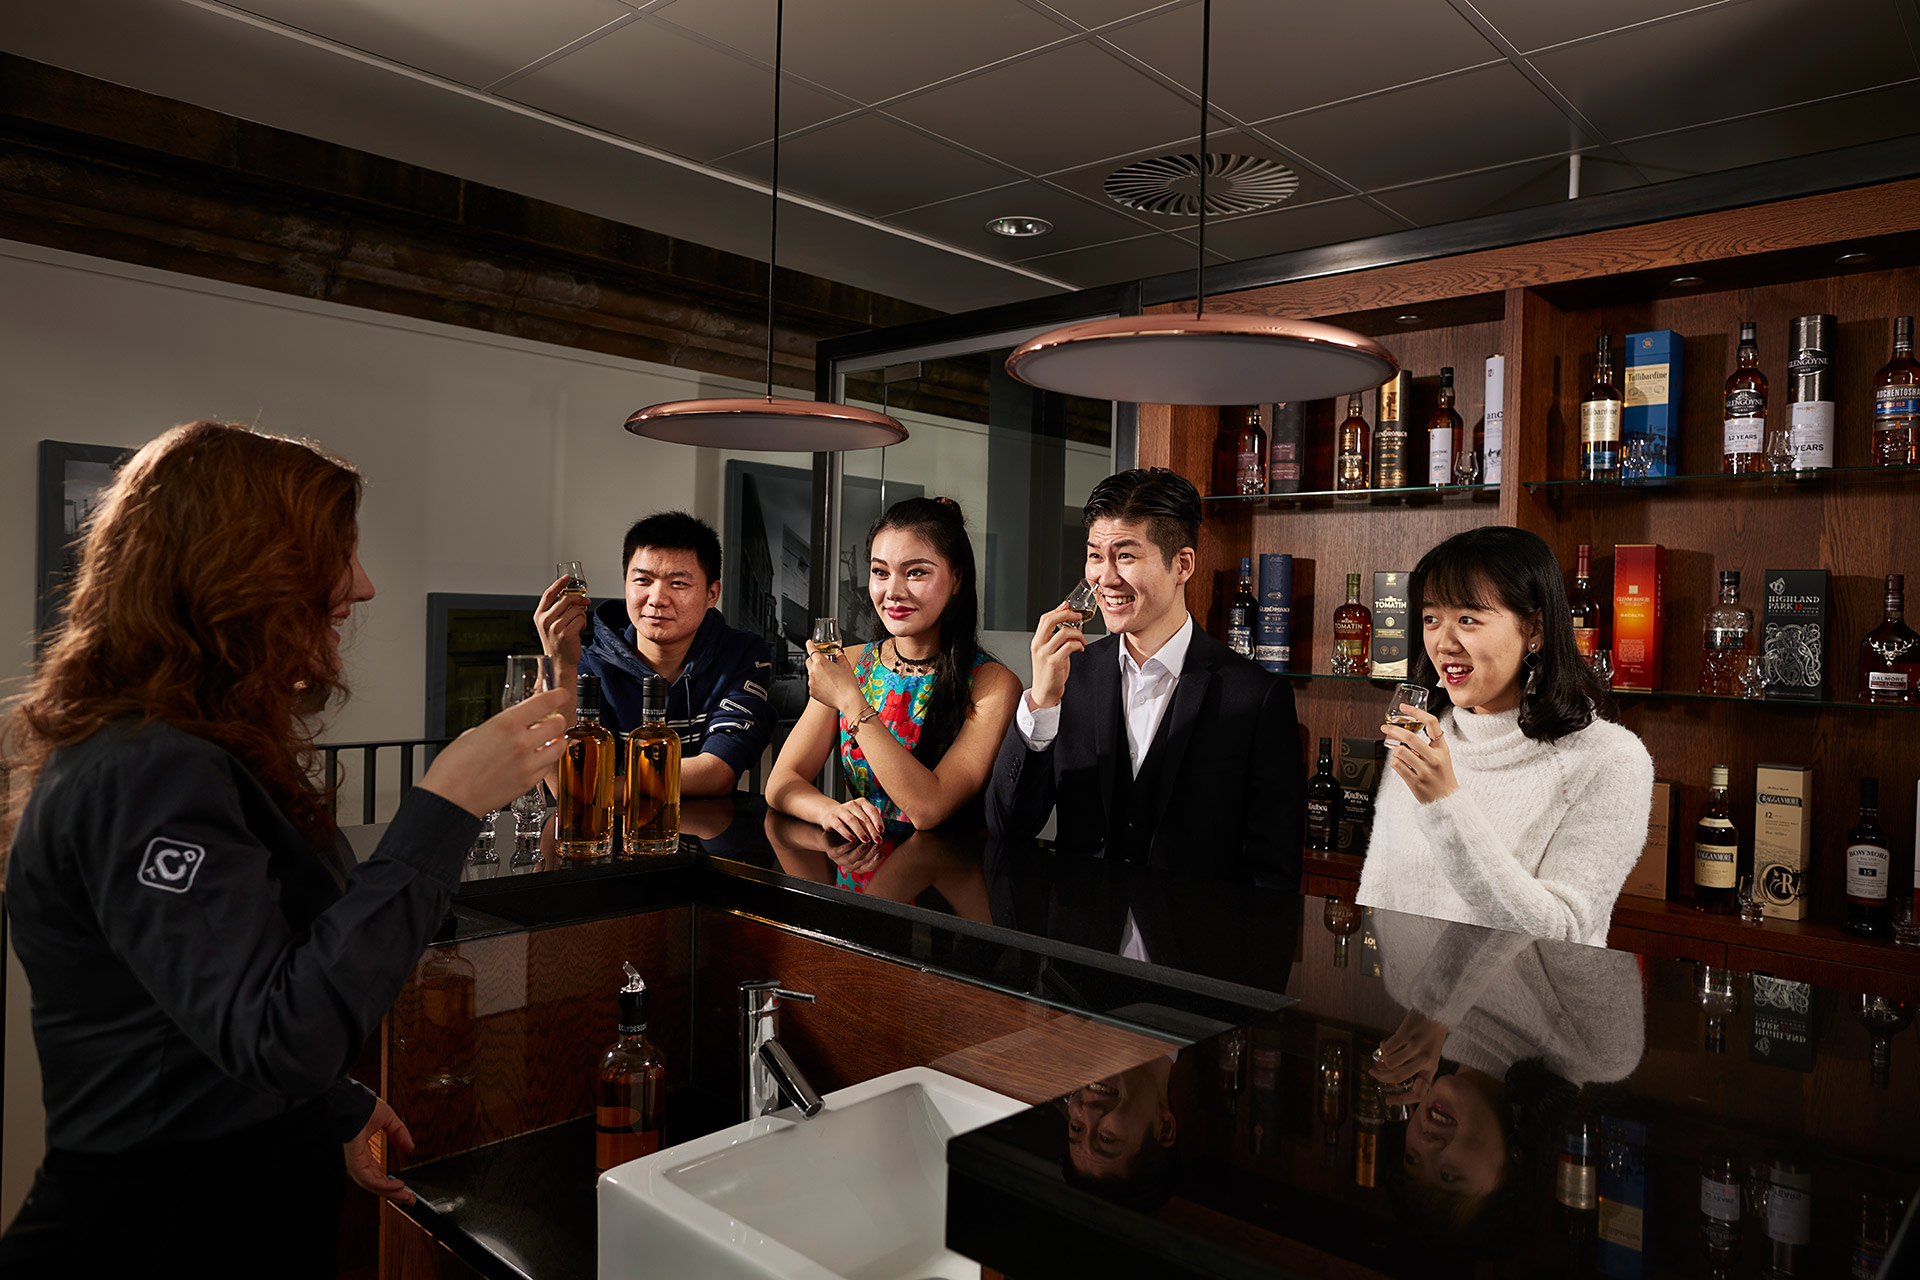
(196, 967)
(1220, 790)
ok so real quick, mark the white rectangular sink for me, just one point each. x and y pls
(859, 1192)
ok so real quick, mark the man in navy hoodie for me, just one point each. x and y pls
(667, 626)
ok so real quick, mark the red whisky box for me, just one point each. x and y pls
(1639, 615)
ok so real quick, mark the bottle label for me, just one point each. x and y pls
(1389, 455)
(1812, 434)
(1578, 1185)
(1249, 475)
(1887, 681)
(1600, 422)
(1743, 434)
(1720, 1200)
(1746, 403)
(1895, 402)
(1726, 639)
(1867, 867)
(1586, 640)
(1623, 1224)
(1440, 456)
(1646, 384)
(1789, 1214)
(1713, 864)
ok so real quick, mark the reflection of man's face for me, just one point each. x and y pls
(1109, 1121)
(1454, 1142)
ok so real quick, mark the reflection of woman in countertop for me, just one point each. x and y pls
(1515, 806)
(1500, 1033)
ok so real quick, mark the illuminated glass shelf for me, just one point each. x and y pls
(1663, 695)
(1358, 498)
(1780, 480)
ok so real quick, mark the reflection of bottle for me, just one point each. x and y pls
(1352, 633)
(1333, 1094)
(630, 1087)
(1577, 1189)
(653, 776)
(1719, 998)
(1789, 1217)
(1720, 1212)
(1323, 803)
(451, 1036)
(1369, 1116)
(1231, 1049)
(1884, 1018)
(586, 778)
(1716, 850)
(1243, 612)
(1342, 919)
(1873, 1227)
(1263, 1133)
(1369, 945)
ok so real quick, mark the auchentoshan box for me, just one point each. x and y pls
(1652, 398)
(1639, 615)
(1390, 606)
(1782, 838)
(1793, 633)
(1652, 876)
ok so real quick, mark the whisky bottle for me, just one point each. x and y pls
(1323, 803)
(1342, 920)
(1874, 1226)
(1726, 639)
(1353, 459)
(1600, 418)
(653, 777)
(1352, 633)
(1443, 434)
(1242, 613)
(586, 778)
(1744, 429)
(1896, 403)
(1869, 868)
(1890, 654)
(629, 1086)
(1716, 851)
(1586, 612)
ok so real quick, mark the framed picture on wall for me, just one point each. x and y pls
(72, 479)
(468, 640)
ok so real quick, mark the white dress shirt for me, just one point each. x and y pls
(1146, 691)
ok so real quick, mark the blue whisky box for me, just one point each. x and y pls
(1273, 624)
(1651, 391)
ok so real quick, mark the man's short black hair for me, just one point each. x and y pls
(675, 531)
(1165, 501)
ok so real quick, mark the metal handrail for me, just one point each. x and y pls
(370, 757)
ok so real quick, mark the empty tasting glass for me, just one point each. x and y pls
(826, 637)
(528, 674)
(1083, 601)
(1413, 695)
(576, 579)
(1602, 664)
(1747, 898)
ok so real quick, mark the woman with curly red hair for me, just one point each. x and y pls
(206, 961)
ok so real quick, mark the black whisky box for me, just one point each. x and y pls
(1782, 1023)
(1361, 763)
(1793, 634)
(1286, 447)
(1390, 605)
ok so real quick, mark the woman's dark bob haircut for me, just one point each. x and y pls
(1515, 570)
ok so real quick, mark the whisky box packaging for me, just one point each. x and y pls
(1782, 1034)
(1493, 426)
(1624, 1227)
(1639, 615)
(1782, 838)
(1273, 628)
(1393, 432)
(1286, 447)
(1652, 398)
(1362, 760)
(1793, 634)
(1653, 876)
(1390, 604)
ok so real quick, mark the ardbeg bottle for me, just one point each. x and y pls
(1243, 612)
(1323, 803)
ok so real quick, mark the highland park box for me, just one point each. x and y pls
(1390, 605)
(1653, 876)
(1639, 615)
(1793, 634)
(1782, 838)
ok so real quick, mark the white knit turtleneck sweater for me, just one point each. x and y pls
(1538, 838)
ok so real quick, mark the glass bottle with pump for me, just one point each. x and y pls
(1352, 464)
(1744, 426)
(1352, 633)
(1443, 434)
(629, 1086)
(1323, 803)
(653, 777)
(1716, 851)
(1243, 612)
(1600, 412)
(586, 778)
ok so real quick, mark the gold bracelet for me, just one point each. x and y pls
(871, 713)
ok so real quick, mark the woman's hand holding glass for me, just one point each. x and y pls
(1423, 762)
(484, 768)
(1406, 1060)
(830, 681)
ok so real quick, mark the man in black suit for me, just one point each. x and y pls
(1157, 744)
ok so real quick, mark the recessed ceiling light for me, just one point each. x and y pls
(1853, 259)
(1687, 282)
(1019, 225)
(1408, 317)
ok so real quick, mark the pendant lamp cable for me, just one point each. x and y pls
(1206, 65)
(773, 220)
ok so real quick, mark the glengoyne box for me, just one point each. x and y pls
(1273, 629)
(1782, 838)
(1653, 875)
(1361, 762)
(1652, 396)
(1782, 1023)
(1639, 615)
(1390, 605)
(1393, 432)
(1286, 448)
(1793, 634)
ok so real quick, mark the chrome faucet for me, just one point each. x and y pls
(767, 1075)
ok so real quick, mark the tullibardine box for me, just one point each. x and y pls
(1652, 396)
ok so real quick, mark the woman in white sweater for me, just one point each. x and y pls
(1517, 806)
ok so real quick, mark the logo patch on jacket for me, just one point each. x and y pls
(171, 864)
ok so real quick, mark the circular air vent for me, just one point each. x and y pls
(1171, 184)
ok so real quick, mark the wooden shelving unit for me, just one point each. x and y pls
(1541, 305)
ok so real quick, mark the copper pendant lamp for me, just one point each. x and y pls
(768, 423)
(1201, 359)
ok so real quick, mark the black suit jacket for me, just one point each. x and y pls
(1229, 798)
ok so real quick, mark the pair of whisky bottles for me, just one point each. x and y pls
(593, 789)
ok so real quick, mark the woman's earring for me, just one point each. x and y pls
(1532, 663)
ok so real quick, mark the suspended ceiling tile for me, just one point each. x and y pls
(1530, 24)
(1270, 59)
(872, 165)
(1076, 223)
(1469, 121)
(874, 51)
(472, 41)
(1521, 186)
(1066, 107)
(653, 84)
(1820, 126)
(1142, 256)
(1096, 13)
(1729, 61)
(1259, 234)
